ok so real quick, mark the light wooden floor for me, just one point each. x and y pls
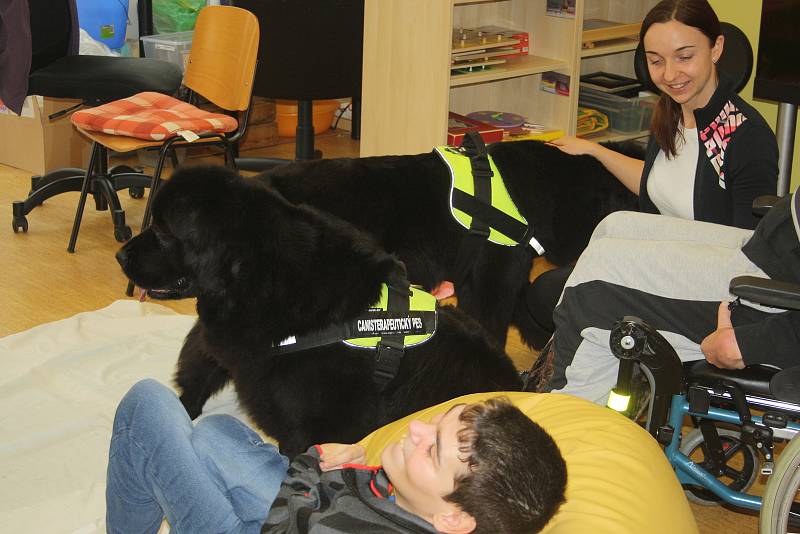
(42, 282)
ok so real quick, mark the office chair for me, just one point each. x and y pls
(93, 80)
(309, 50)
(221, 66)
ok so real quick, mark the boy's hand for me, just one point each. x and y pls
(335, 455)
(720, 347)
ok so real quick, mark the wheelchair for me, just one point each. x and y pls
(739, 415)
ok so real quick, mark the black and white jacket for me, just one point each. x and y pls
(738, 161)
(348, 500)
(775, 248)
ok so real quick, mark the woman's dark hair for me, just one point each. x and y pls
(695, 13)
(517, 476)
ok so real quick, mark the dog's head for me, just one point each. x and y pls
(166, 258)
(237, 245)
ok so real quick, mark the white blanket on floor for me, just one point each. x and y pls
(59, 386)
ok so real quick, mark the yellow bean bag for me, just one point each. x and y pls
(618, 479)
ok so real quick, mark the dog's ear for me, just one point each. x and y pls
(192, 201)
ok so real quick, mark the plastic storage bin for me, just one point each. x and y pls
(626, 115)
(105, 20)
(172, 47)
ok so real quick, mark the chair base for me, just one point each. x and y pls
(304, 139)
(102, 186)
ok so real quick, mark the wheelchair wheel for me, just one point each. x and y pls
(739, 472)
(780, 504)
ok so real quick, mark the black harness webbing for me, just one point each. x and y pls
(391, 345)
(484, 215)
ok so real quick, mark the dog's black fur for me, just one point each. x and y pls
(403, 202)
(263, 269)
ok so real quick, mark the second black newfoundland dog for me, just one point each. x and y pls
(404, 203)
(264, 270)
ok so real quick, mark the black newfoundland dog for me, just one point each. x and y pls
(403, 202)
(264, 269)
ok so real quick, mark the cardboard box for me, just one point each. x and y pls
(34, 143)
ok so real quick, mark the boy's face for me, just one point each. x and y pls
(424, 464)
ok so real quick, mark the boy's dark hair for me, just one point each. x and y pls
(697, 14)
(516, 478)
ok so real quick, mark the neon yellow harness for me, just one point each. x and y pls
(410, 324)
(479, 198)
(462, 180)
(402, 317)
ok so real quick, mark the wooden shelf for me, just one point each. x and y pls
(611, 47)
(462, 2)
(600, 30)
(523, 66)
(408, 87)
(611, 136)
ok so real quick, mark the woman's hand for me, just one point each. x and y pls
(574, 145)
(720, 347)
(335, 455)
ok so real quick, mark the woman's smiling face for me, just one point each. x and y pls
(681, 62)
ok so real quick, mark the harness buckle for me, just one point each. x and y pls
(389, 354)
(481, 232)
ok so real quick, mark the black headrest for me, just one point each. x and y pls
(51, 31)
(736, 60)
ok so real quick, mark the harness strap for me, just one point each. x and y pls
(475, 149)
(391, 348)
(487, 213)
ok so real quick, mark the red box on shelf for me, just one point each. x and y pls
(459, 125)
(522, 47)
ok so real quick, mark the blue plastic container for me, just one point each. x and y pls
(105, 20)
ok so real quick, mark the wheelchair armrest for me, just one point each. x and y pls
(768, 292)
(762, 204)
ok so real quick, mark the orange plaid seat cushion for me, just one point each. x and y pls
(151, 116)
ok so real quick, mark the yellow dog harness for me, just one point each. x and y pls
(479, 199)
(403, 317)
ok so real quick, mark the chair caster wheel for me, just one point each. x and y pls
(19, 223)
(136, 192)
(122, 233)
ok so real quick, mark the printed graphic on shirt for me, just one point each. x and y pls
(716, 135)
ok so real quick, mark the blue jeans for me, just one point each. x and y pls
(213, 476)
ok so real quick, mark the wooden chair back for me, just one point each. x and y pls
(223, 57)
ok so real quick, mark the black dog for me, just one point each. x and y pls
(263, 270)
(403, 201)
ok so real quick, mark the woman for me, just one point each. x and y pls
(710, 154)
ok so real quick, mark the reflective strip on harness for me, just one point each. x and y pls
(507, 226)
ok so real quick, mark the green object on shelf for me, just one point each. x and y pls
(171, 16)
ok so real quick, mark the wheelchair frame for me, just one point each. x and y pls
(674, 396)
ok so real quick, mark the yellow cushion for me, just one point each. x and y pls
(618, 479)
